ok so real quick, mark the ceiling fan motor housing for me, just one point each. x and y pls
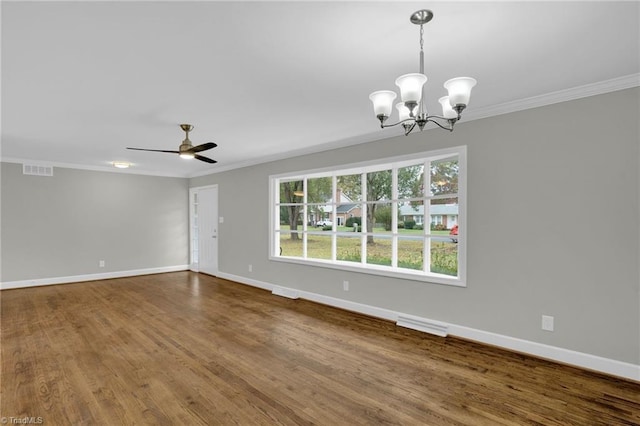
(185, 146)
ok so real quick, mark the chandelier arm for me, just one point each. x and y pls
(428, 119)
(439, 117)
(450, 121)
(382, 125)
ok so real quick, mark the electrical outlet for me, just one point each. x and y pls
(345, 285)
(547, 323)
(101, 264)
(250, 268)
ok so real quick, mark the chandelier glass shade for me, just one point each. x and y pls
(412, 110)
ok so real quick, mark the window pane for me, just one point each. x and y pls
(411, 214)
(319, 246)
(350, 186)
(382, 214)
(319, 208)
(444, 216)
(291, 217)
(291, 191)
(444, 257)
(319, 190)
(379, 249)
(444, 177)
(291, 245)
(349, 248)
(349, 215)
(410, 252)
(379, 185)
(411, 181)
(284, 215)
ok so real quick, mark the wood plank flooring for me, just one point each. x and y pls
(190, 349)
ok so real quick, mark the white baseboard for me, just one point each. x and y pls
(552, 353)
(90, 277)
(319, 298)
(244, 280)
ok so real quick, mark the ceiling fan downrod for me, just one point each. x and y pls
(186, 146)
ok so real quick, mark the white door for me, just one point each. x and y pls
(204, 248)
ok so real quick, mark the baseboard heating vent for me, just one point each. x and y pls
(428, 326)
(285, 292)
(37, 170)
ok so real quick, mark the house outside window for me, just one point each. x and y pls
(313, 215)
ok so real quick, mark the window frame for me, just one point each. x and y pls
(393, 163)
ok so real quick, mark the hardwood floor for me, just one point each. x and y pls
(189, 349)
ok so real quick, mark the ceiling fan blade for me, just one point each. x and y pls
(155, 150)
(205, 159)
(203, 147)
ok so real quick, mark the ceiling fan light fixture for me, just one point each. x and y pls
(187, 155)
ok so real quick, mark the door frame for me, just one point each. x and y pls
(193, 265)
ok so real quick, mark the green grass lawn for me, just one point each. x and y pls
(444, 254)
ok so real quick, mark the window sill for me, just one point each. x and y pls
(374, 270)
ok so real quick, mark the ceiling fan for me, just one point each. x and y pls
(186, 149)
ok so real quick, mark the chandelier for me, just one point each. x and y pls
(412, 109)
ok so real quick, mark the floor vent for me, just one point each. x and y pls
(36, 170)
(285, 292)
(421, 324)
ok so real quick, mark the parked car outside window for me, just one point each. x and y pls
(454, 233)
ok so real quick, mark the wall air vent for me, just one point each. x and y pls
(285, 292)
(37, 170)
(421, 324)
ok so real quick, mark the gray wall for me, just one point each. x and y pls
(553, 227)
(63, 225)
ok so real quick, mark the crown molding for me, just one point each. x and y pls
(565, 95)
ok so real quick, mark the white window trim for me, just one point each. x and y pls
(357, 168)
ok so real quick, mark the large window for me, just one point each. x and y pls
(400, 216)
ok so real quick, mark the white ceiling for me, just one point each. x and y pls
(81, 81)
